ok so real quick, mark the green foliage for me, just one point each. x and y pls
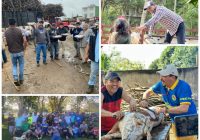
(194, 2)
(154, 64)
(114, 62)
(181, 56)
(187, 9)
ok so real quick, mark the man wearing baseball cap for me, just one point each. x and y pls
(168, 19)
(176, 94)
(111, 96)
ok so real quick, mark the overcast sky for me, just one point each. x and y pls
(72, 7)
(142, 54)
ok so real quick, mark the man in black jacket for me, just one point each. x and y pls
(92, 52)
(76, 31)
(62, 30)
(54, 42)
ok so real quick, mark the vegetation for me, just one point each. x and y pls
(48, 11)
(49, 104)
(181, 56)
(133, 10)
(114, 62)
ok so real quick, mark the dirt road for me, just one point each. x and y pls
(57, 77)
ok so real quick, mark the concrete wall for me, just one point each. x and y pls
(147, 78)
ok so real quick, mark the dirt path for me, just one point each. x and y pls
(57, 77)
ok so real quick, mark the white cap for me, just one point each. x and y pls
(168, 70)
(148, 4)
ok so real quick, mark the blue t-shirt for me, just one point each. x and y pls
(19, 121)
(179, 93)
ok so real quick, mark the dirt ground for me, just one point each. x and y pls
(64, 76)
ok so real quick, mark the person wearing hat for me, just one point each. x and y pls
(167, 18)
(76, 31)
(111, 96)
(54, 42)
(176, 94)
(42, 39)
(16, 43)
(62, 30)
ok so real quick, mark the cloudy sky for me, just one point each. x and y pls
(72, 7)
(142, 54)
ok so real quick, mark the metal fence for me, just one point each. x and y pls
(21, 17)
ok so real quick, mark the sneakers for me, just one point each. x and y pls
(16, 83)
(38, 64)
(45, 63)
(57, 58)
(90, 89)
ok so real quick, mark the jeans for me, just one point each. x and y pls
(77, 47)
(94, 69)
(180, 35)
(54, 50)
(40, 47)
(11, 130)
(18, 58)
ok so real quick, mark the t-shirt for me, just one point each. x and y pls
(179, 93)
(75, 32)
(14, 40)
(35, 118)
(30, 120)
(75, 130)
(62, 31)
(68, 119)
(19, 121)
(112, 104)
(84, 127)
(11, 121)
(25, 127)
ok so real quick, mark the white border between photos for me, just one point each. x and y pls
(99, 95)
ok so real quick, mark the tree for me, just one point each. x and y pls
(52, 10)
(181, 56)
(78, 103)
(154, 65)
(21, 5)
(114, 62)
(57, 103)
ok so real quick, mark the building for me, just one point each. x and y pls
(91, 11)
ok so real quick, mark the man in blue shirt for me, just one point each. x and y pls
(176, 94)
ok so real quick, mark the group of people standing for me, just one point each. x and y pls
(85, 38)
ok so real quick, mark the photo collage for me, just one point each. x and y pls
(99, 69)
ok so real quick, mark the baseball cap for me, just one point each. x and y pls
(111, 76)
(148, 4)
(168, 70)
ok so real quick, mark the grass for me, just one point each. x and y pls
(6, 135)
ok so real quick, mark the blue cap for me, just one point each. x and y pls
(111, 76)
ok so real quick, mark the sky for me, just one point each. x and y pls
(72, 7)
(142, 54)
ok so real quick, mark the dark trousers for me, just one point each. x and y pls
(180, 35)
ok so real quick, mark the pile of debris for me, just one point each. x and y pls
(137, 93)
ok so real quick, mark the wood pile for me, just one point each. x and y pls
(137, 93)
